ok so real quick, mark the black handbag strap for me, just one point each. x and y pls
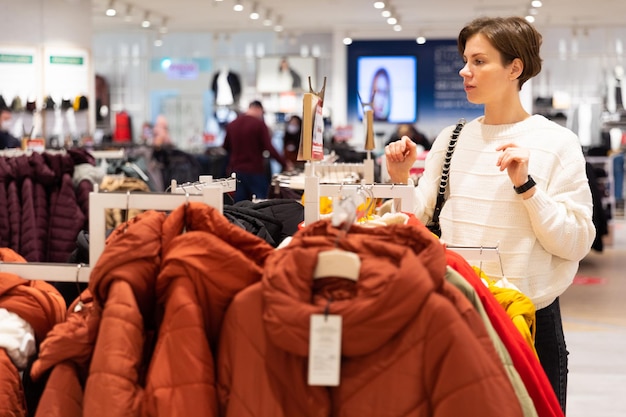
(445, 171)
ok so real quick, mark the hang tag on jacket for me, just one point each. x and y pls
(325, 350)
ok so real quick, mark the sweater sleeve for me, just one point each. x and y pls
(561, 209)
(426, 192)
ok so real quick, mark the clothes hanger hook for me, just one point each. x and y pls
(127, 210)
(80, 304)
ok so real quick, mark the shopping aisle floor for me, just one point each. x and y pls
(594, 318)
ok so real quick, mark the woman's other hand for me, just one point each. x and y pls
(400, 155)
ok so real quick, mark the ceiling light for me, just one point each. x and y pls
(163, 28)
(347, 40)
(379, 4)
(268, 18)
(128, 17)
(146, 20)
(392, 20)
(254, 14)
(158, 42)
(386, 13)
(536, 3)
(238, 6)
(278, 27)
(111, 10)
(530, 19)
(397, 27)
(420, 40)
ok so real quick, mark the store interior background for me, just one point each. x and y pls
(583, 43)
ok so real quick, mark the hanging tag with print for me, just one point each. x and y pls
(325, 350)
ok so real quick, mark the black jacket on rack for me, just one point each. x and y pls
(600, 218)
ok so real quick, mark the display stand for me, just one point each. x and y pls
(313, 190)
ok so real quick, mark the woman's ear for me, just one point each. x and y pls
(517, 67)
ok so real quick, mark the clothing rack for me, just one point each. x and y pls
(98, 202)
(206, 185)
(336, 171)
(478, 253)
(13, 152)
(313, 190)
(226, 185)
(108, 154)
(46, 271)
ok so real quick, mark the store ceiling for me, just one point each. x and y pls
(359, 18)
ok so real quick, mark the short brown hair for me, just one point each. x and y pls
(512, 36)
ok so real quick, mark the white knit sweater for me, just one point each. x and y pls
(542, 239)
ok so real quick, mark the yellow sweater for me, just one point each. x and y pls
(518, 307)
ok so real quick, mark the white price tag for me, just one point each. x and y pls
(325, 350)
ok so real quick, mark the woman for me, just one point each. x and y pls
(517, 181)
(291, 141)
(380, 95)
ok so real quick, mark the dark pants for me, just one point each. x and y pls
(550, 345)
(249, 185)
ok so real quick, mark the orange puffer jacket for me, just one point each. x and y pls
(410, 347)
(39, 304)
(201, 271)
(122, 283)
(181, 298)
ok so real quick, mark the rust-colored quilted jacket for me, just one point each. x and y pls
(39, 304)
(408, 347)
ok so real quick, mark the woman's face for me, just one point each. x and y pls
(293, 126)
(381, 102)
(485, 79)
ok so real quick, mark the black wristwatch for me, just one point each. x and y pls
(526, 186)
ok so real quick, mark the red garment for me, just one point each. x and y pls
(246, 139)
(524, 359)
(408, 349)
(123, 129)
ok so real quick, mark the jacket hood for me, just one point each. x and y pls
(81, 156)
(133, 254)
(73, 340)
(218, 257)
(21, 167)
(37, 302)
(88, 172)
(201, 217)
(401, 265)
(60, 164)
(6, 171)
(43, 173)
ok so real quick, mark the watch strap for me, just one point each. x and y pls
(526, 186)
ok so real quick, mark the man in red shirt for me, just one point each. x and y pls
(247, 138)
